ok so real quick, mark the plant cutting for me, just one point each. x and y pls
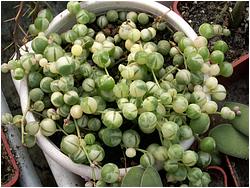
(102, 105)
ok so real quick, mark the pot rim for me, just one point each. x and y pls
(56, 25)
(175, 7)
(222, 171)
(14, 178)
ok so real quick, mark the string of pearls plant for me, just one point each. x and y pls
(115, 80)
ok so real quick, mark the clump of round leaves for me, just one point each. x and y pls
(18, 73)
(169, 130)
(106, 82)
(70, 144)
(194, 62)
(76, 111)
(183, 77)
(175, 152)
(47, 127)
(96, 153)
(206, 30)
(29, 140)
(171, 165)
(82, 16)
(201, 124)
(94, 124)
(189, 158)
(130, 152)
(112, 119)
(73, 7)
(39, 44)
(111, 137)
(204, 159)
(101, 58)
(155, 61)
(147, 122)
(131, 138)
(110, 173)
(7, 118)
(180, 104)
(219, 93)
(89, 105)
(137, 88)
(112, 15)
(129, 111)
(150, 104)
(102, 21)
(147, 159)
(221, 45)
(57, 99)
(193, 111)
(53, 52)
(41, 24)
(227, 113)
(65, 65)
(217, 57)
(226, 69)
(89, 138)
(36, 94)
(32, 128)
(71, 97)
(79, 156)
(163, 47)
(185, 42)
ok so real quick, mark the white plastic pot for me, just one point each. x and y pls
(63, 22)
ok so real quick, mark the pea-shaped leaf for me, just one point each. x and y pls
(151, 178)
(133, 177)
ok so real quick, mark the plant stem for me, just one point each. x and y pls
(141, 150)
(185, 62)
(156, 81)
(15, 34)
(160, 135)
(93, 175)
(106, 71)
(23, 119)
(37, 113)
(219, 113)
(216, 92)
(77, 130)
(125, 159)
(197, 137)
(170, 71)
(60, 129)
(81, 145)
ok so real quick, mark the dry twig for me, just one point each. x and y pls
(15, 32)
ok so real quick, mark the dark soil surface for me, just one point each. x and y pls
(218, 12)
(7, 170)
(240, 168)
(238, 91)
